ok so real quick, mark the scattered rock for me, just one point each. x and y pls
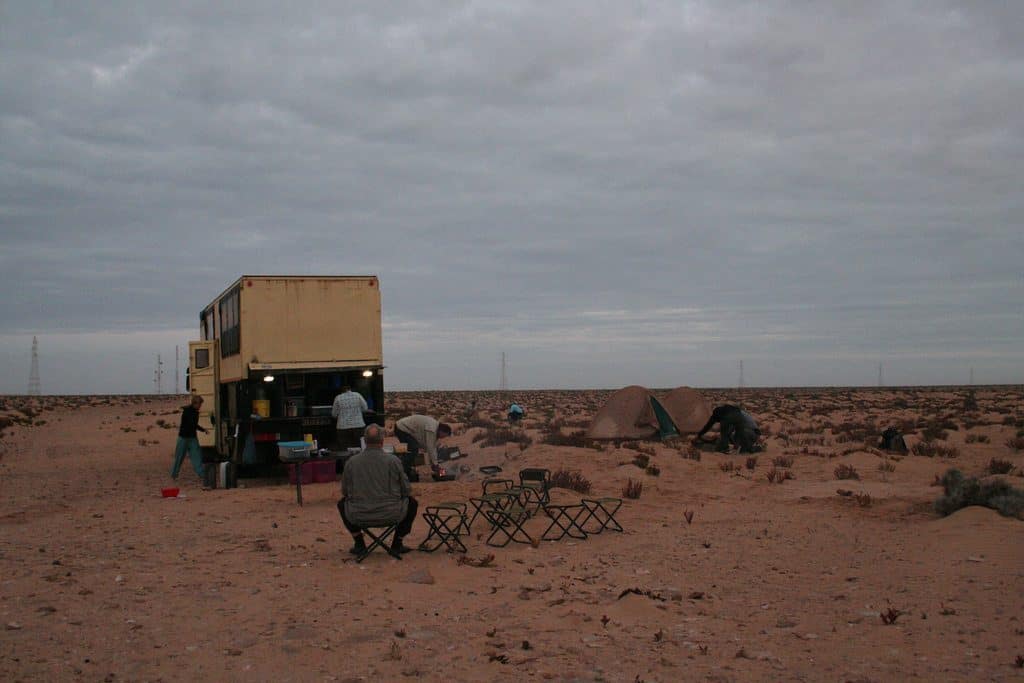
(420, 576)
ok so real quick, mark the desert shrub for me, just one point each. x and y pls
(782, 461)
(499, 436)
(1016, 443)
(570, 479)
(997, 466)
(863, 499)
(751, 462)
(727, 466)
(691, 453)
(778, 475)
(960, 492)
(846, 472)
(481, 422)
(930, 449)
(641, 460)
(632, 489)
(577, 439)
(970, 402)
(977, 438)
(934, 432)
(649, 450)
(886, 466)
(653, 470)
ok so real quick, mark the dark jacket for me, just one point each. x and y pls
(729, 418)
(189, 423)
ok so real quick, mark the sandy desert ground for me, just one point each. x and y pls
(105, 580)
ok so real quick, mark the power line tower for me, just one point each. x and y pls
(970, 381)
(33, 373)
(881, 379)
(741, 374)
(503, 387)
(177, 372)
(158, 374)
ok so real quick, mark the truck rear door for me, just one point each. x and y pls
(202, 377)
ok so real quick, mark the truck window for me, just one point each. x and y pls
(202, 359)
(230, 341)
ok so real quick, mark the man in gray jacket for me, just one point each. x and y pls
(376, 492)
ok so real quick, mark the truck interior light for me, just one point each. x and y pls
(268, 378)
(367, 373)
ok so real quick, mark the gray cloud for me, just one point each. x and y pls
(611, 193)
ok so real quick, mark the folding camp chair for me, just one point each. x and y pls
(447, 521)
(379, 540)
(497, 493)
(535, 483)
(492, 501)
(602, 511)
(508, 522)
(564, 521)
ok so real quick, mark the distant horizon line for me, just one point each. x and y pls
(512, 391)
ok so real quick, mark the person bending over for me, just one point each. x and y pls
(735, 427)
(416, 432)
(376, 492)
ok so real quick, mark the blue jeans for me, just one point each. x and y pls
(194, 454)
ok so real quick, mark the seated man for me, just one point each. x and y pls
(376, 492)
(515, 413)
(416, 432)
(735, 427)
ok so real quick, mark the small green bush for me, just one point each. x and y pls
(961, 492)
(570, 479)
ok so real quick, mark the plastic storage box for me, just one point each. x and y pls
(290, 451)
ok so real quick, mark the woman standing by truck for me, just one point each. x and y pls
(187, 440)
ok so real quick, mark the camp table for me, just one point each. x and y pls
(298, 453)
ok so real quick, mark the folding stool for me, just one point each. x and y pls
(566, 519)
(439, 519)
(602, 511)
(379, 540)
(508, 521)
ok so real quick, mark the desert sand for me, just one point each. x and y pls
(105, 580)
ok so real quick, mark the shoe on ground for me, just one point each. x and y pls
(398, 548)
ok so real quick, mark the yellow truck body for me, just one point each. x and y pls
(279, 348)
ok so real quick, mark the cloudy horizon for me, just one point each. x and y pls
(609, 193)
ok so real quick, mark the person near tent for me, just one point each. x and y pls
(375, 491)
(187, 440)
(416, 432)
(515, 413)
(735, 427)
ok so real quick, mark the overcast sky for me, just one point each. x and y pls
(609, 192)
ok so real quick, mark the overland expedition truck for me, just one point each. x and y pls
(273, 353)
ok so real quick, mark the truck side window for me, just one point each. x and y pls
(202, 358)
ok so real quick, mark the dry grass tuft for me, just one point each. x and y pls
(632, 489)
(846, 472)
